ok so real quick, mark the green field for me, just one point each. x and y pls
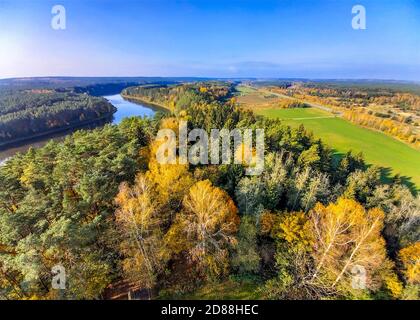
(245, 89)
(378, 148)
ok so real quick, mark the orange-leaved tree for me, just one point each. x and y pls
(410, 258)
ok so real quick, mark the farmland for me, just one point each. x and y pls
(378, 148)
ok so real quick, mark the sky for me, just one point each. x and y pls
(232, 39)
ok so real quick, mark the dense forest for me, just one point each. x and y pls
(25, 113)
(100, 205)
(178, 97)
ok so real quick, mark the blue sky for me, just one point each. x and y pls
(307, 39)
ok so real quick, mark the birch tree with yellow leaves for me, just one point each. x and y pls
(205, 229)
(346, 237)
(140, 223)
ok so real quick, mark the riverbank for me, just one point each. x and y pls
(157, 106)
(49, 133)
(124, 108)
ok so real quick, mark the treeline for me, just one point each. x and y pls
(385, 124)
(102, 89)
(31, 112)
(100, 205)
(178, 97)
(290, 104)
(373, 87)
(353, 96)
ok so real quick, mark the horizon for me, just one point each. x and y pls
(216, 78)
(211, 39)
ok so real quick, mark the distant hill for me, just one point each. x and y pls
(84, 82)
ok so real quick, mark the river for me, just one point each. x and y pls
(124, 109)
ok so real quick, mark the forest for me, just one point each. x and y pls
(25, 113)
(102, 206)
(178, 97)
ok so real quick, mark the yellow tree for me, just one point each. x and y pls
(410, 258)
(139, 221)
(293, 256)
(295, 229)
(347, 239)
(206, 227)
(172, 180)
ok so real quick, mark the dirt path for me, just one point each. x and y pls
(310, 118)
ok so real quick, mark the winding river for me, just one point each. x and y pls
(124, 109)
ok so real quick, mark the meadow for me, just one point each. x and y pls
(378, 148)
(249, 97)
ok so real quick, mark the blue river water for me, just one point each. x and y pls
(127, 108)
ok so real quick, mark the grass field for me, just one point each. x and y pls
(378, 148)
(245, 89)
(249, 97)
(295, 115)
